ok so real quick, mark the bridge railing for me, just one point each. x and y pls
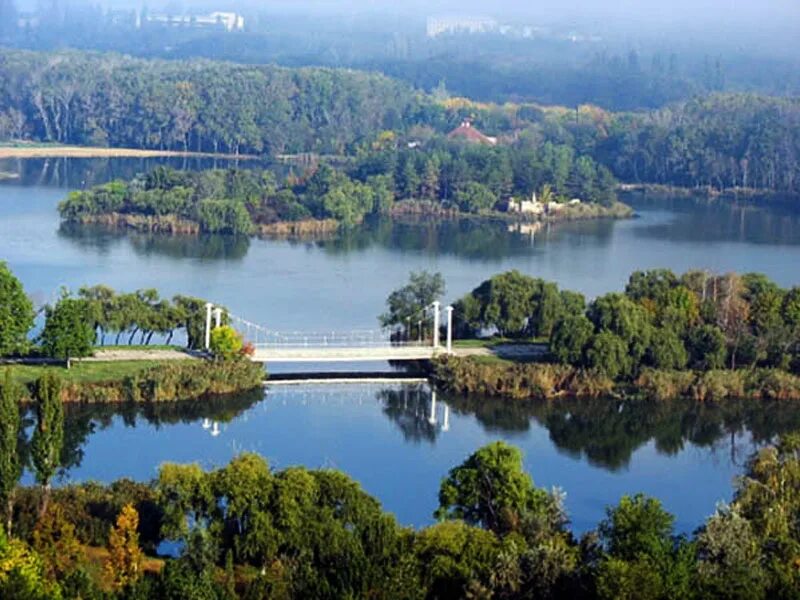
(426, 334)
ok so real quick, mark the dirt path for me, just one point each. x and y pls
(518, 352)
(138, 354)
(34, 151)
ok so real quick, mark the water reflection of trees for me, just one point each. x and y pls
(78, 173)
(208, 247)
(81, 421)
(721, 221)
(469, 238)
(420, 416)
(607, 432)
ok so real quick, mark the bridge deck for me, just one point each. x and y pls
(334, 354)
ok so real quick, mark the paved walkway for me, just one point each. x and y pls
(519, 352)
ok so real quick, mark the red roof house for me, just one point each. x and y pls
(468, 133)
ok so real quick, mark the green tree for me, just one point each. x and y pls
(629, 321)
(68, 329)
(475, 198)
(608, 354)
(16, 313)
(707, 347)
(491, 489)
(642, 559)
(768, 496)
(507, 302)
(185, 493)
(730, 561)
(570, 339)
(22, 572)
(456, 560)
(48, 436)
(407, 304)
(10, 464)
(667, 350)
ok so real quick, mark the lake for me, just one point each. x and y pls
(341, 283)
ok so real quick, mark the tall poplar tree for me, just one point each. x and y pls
(48, 437)
(10, 467)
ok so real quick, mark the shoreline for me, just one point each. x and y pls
(44, 151)
(179, 226)
(708, 193)
(516, 381)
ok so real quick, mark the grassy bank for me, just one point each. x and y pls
(544, 381)
(148, 381)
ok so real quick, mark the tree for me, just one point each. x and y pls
(55, 540)
(186, 495)
(10, 464)
(48, 436)
(608, 354)
(619, 315)
(226, 343)
(123, 566)
(22, 573)
(730, 561)
(667, 350)
(491, 489)
(641, 558)
(707, 348)
(408, 304)
(767, 496)
(69, 329)
(570, 338)
(507, 302)
(16, 313)
(455, 560)
(547, 308)
(475, 197)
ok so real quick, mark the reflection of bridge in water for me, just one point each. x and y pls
(418, 340)
(415, 409)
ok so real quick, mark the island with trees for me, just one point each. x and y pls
(441, 177)
(698, 335)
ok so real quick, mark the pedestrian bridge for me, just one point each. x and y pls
(418, 340)
(273, 354)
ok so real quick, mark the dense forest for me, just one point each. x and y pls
(722, 141)
(110, 100)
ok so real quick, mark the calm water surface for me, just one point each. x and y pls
(342, 283)
(685, 453)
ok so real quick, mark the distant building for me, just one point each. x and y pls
(443, 25)
(221, 20)
(530, 207)
(468, 133)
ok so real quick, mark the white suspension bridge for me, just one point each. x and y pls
(418, 340)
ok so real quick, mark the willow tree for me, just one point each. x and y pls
(10, 467)
(48, 437)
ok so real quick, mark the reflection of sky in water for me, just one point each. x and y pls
(385, 440)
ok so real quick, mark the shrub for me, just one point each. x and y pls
(226, 343)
